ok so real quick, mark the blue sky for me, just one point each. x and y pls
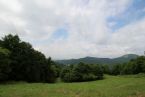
(134, 12)
(65, 29)
(60, 33)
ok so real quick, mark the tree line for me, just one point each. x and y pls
(88, 72)
(19, 61)
(134, 66)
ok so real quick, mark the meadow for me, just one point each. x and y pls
(110, 86)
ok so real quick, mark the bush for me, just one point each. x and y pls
(81, 72)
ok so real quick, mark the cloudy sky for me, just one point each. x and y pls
(65, 29)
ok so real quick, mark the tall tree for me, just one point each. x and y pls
(4, 64)
(27, 63)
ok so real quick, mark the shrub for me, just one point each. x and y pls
(81, 72)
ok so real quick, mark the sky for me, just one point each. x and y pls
(65, 29)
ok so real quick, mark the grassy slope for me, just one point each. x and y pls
(111, 86)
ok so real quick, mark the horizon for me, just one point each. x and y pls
(75, 29)
(96, 57)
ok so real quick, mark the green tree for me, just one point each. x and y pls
(4, 64)
(81, 72)
(106, 69)
(135, 66)
(26, 63)
(116, 69)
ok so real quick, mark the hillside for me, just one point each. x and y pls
(94, 60)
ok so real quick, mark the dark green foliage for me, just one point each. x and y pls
(26, 63)
(135, 66)
(106, 69)
(4, 64)
(116, 69)
(81, 72)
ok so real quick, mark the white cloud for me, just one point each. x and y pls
(13, 5)
(86, 20)
(130, 38)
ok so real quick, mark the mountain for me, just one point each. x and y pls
(94, 60)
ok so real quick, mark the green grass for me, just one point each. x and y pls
(111, 86)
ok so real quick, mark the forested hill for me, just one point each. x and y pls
(94, 60)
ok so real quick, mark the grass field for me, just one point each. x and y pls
(111, 86)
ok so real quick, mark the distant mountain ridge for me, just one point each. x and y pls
(95, 60)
